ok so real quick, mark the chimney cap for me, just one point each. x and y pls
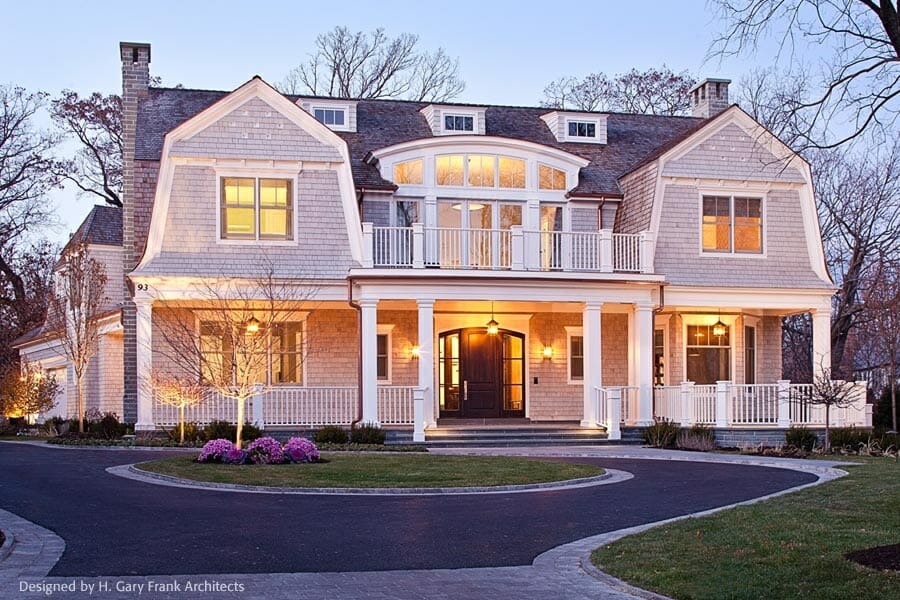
(129, 45)
(703, 82)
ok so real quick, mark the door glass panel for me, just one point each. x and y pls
(551, 243)
(479, 239)
(448, 245)
(448, 373)
(510, 216)
(513, 373)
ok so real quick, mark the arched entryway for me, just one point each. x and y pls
(480, 374)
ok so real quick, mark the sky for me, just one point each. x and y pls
(507, 51)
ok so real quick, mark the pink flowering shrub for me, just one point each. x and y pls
(235, 457)
(265, 451)
(214, 450)
(300, 450)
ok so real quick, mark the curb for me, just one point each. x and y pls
(133, 472)
(8, 542)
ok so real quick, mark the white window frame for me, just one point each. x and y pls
(570, 333)
(459, 113)
(344, 108)
(582, 138)
(667, 364)
(762, 196)
(537, 183)
(756, 324)
(708, 319)
(386, 330)
(256, 174)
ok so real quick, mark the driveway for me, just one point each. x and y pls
(115, 526)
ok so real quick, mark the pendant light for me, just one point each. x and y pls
(493, 327)
(719, 328)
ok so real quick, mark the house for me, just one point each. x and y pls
(101, 233)
(461, 261)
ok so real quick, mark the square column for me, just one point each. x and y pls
(426, 358)
(592, 361)
(643, 357)
(821, 340)
(144, 351)
(369, 350)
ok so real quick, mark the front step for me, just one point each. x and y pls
(456, 437)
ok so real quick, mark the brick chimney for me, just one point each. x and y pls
(135, 83)
(709, 97)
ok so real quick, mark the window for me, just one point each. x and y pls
(481, 170)
(459, 123)
(586, 129)
(286, 365)
(409, 172)
(659, 357)
(329, 116)
(512, 172)
(383, 353)
(708, 355)
(275, 358)
(449, 169)
(749, 354)
(576, 355)
(256, 209)
(550, 178)
(732, 224)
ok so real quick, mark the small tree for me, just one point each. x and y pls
(179, 391)
(830, 393)
(882, 301)
(27, 393)
(75, 310)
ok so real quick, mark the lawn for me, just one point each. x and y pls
(789, 547)
(380, 471)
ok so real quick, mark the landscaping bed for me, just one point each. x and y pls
(789, 547)
(379, 471)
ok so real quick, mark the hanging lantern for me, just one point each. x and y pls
(493, 327)
(252, 325)
(719, 329)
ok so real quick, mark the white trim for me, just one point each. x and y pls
(756, 324)
(471, 143)
(388, 330)
(731, 194)
(708, 319)
(661, 322)
(794, 299)
(473, 114)
(336, 107)
(256, 174)
(573, 331)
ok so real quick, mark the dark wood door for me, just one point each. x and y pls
(480, 366)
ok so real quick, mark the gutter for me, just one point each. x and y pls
(359, 374)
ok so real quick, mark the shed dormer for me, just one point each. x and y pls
(454, 120)
(334, 113)
(588, 128)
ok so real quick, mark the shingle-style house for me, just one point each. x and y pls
(477, 262)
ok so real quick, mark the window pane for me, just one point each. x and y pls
(287, 353)
(409, 172)
(274, 192)
(239, 223)
(512, 172)
(550, 178)
(576, 357)
(468, 124)
(573, 129)
(273, 223)
(716, 223)
(510, 215)
(481, 170)
(591, 130)
(407, 212)
(747, 225)
(705, 366)
(338, 117)
(319, 114)
(238, 191)
(449, 170)
(238, 201)
(448, 123)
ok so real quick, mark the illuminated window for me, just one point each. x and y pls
(732, 224)
(459, 123)
(708, 355)
(382, 356)
(585, 129)
(576, 358)
(409, 172)
(550, 178)
(449, 169)
(256, 209)
(330, 116)
(512, 172)
(275, 357)
(481, 170)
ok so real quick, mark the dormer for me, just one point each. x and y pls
(587, 128)
(454, 120)
(334, 113)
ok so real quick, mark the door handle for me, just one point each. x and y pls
(465, 390)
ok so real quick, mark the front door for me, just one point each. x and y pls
(480, 362)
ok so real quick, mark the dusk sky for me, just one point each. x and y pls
(508, 51)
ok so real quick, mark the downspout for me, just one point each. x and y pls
(359, 382)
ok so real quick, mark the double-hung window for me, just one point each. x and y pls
(256, 209)
(576, 354)
(271, 355)
(732, 224)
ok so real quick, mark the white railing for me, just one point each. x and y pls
(667, 402)
(753, 404)
(506, 249)
(214, 407)
(395, 405)
(704, 398)
(309, 406)
(609, 406)
(631, 400)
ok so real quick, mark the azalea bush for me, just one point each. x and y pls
(262, 451)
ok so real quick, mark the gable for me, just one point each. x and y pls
(255, 130)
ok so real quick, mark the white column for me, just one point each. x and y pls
(426, 358)
(784, 403)
(369, 324)
(643, 356)
(144, 351)
(821, 333)
(592, 361)
(630, 336)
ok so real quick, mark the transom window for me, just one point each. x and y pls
(330, 116)
(550, 178)
(585, 129)
(256, 209)
(459, 123)
(732, 224)
(408, 172)
(479, 170)
(708, 355)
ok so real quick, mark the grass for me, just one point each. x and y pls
(368, 470)
(789, 547)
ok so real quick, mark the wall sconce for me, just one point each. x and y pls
(415, 351)
(548, 352)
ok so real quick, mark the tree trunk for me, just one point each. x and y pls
(79, 403)
(240, 423)
(893, 375)
(181, 421)
(827, 428)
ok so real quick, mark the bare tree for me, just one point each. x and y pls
(75, 310)
(242, 325)
(654, 91)
(796, 348)
(831, 394)
(882, 329)
(96, 122)
(771, 96)
(28, 392)
(860, 81)
(180, 391)
(348, 64)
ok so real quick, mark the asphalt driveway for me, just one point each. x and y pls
(116, 526)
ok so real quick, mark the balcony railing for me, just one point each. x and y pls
(513, 249)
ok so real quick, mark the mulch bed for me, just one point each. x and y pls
(883, 558)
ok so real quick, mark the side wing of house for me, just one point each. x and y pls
(253, 180)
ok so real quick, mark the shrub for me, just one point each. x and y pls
(107, 427)
(225, 430)
(367, 433)
(698, 437)
(215, 450)
(265, 451)
(801, 438)
(250, 432)
(300, 450)
(192, 433)
(849, 438)
(662, 434)
(883, 417)
(331, 434)
(235, 457)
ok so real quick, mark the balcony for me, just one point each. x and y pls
(514, 249)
